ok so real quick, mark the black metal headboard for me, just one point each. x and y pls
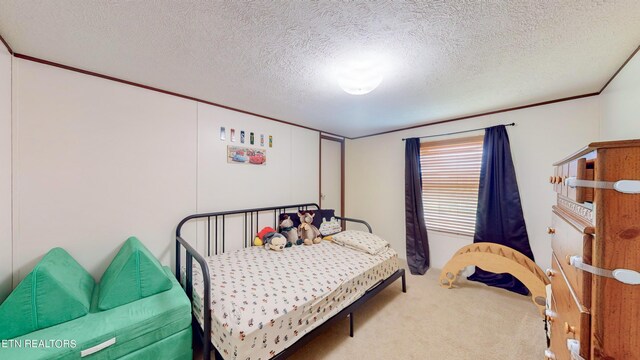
(216, 221)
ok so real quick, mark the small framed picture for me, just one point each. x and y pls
(223, 133)
(245, 155)
(242, 136)
(251, 139)
(261, 139)
(270, 141)
(233, 135)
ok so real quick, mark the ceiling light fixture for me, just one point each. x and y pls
(359, 77)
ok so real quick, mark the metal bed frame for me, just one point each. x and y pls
(250, 223)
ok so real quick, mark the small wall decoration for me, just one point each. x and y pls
(242, 137)
(223, 133)
(233, 135)
(261, 139)
(270, 141)
(251, 139)
(244, 155)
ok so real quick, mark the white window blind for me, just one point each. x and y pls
(450, 179)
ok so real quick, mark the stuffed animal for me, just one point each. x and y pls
(330, 227)
(274, 241)
(306, 230)
(259, 240)
(287, 229)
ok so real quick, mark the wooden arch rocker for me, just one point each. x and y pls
(499, 259)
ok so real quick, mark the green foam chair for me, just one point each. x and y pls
(133, 274)
(57, 290)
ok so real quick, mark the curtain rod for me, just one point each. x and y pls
(457, 132)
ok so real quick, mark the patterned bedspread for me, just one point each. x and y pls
(263, 301)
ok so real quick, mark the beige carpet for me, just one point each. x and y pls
(471, 321)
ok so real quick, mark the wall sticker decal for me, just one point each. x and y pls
(223, 133)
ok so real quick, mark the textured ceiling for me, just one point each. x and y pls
(442, 59)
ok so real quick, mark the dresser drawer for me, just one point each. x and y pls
(581, 169)
(568, 239)
(557, 350)
(561, 173)
(573, 319)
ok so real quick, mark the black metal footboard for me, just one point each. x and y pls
(251, 219)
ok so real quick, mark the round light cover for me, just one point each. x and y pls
(359, 77)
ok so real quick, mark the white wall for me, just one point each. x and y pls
(5, 173)
(620, 103)
(96, 161)
(290, 175)
(544, 134)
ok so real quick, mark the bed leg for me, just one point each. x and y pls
(351, 324)
(404, 283)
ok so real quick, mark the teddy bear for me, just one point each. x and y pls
(289, 231)
(306, 230)
(274, 241)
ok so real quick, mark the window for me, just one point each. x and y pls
(450, 179)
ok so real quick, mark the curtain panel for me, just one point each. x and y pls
(499, 217)
(416, 231)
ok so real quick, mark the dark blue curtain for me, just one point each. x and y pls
(416, 231)
(499, 216)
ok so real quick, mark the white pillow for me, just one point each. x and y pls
(361, 240)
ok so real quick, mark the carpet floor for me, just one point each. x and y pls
(471, 321)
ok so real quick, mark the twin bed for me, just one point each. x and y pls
(258, 304)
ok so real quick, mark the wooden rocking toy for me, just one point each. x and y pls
(499, 259)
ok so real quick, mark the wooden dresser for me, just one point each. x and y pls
(602, 226)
